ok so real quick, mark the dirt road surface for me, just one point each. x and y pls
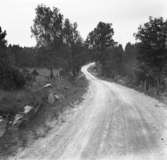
(112, 123)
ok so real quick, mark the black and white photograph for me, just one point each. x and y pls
(83, 80)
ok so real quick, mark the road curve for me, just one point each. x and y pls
(112, 123)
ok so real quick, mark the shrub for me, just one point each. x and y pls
(11, 78)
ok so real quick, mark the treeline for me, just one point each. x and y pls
(143, 63)
(59, 38)
(59, 45)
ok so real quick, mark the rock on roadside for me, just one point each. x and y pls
(3, 124)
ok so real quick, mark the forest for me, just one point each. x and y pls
(59, 44)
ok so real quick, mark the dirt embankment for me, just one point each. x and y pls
(67, 93)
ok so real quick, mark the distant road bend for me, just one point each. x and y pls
(112, 123)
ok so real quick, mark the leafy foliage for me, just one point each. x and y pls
(100, 38)
(10, 77)
(3, 45)
(53, 33)
(144, 63)
(112, 61)
(152, 44)
(47, 27)
(3, 42)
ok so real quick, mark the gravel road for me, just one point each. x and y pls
(112, 123)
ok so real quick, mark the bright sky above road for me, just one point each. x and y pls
(16, 16)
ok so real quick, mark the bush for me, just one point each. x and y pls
(11, 78)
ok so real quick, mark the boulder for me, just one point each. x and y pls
(18, 119)
(3, 124)
(51, 98)
(47, 85)
(27, 109)
(58, 97)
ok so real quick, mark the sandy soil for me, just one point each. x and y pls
(112, 123)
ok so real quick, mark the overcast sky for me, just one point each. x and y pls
(16, 16)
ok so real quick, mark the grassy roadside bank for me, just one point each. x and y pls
(71, 92)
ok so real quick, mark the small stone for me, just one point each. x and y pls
(27, 109)
(3, 124)
(51, 98)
